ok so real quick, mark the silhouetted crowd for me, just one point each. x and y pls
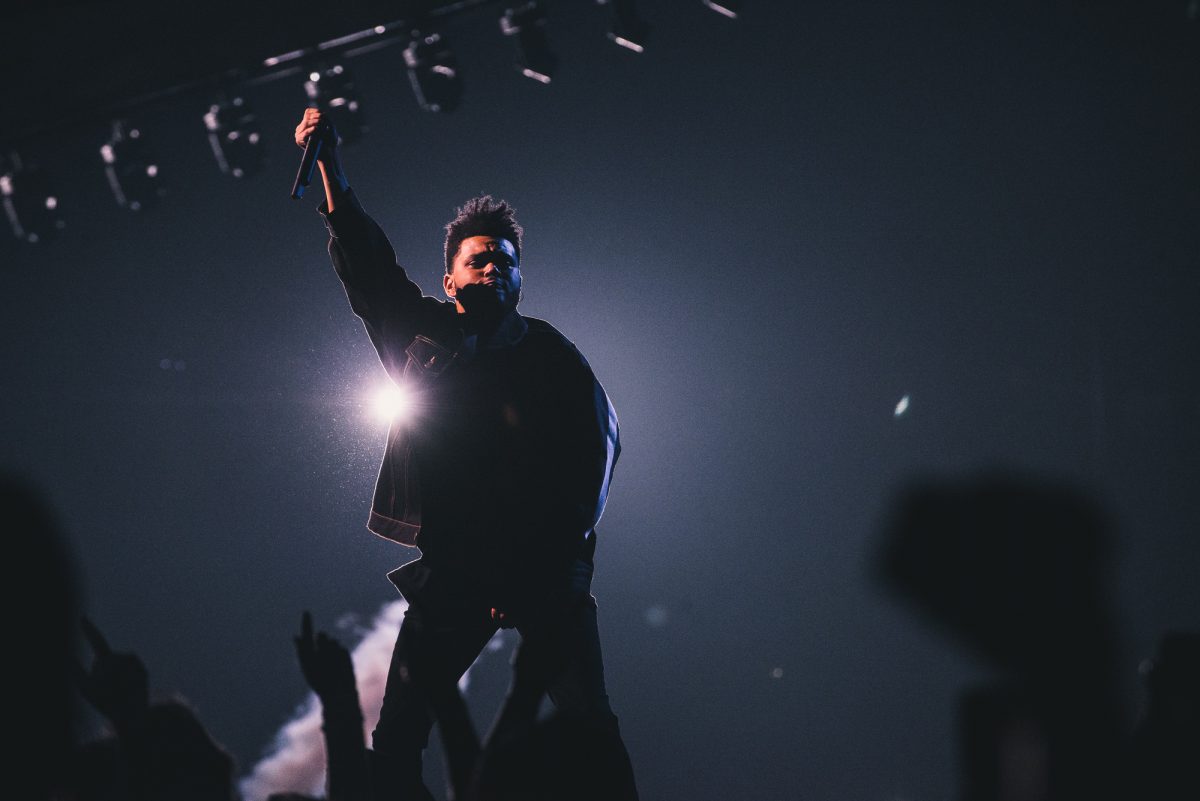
(1014, 571)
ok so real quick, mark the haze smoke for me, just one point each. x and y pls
(297, 760)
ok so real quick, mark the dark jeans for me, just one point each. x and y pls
(456, 623)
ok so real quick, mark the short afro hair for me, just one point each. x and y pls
(482, 216)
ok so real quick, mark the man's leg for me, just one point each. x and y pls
(579, 690)
(446, 640)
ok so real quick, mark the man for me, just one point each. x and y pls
(500, 475)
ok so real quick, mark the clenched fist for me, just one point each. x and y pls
(315, 123)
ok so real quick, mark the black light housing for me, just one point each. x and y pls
(234, 136)
(527, 23)
(30, 203)
(132, 171)
(433, 72)
(627, 29)
(331, 89)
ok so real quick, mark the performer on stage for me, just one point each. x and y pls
(500, 474)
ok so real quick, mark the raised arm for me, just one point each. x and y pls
(585, 446)
(380, 292)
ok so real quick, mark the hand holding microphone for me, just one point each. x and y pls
(320, 142)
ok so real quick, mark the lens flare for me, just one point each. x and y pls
(392, 403)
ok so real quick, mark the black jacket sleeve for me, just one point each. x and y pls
(380, 292)
(585, 446)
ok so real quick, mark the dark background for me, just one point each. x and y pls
(763, 233)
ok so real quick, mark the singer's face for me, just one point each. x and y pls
(486, 260)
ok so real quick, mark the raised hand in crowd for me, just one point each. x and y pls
(162, 750)
(327, 668)
(326, 664)
(117, 684)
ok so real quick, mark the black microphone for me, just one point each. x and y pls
(312, 149)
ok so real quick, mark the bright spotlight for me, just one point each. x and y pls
(726, 8)
(393, 403)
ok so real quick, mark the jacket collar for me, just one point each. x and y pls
(509, 332)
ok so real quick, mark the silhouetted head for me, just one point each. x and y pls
(1015, 566)
(186, 763)
(181, 761)
(40, 632)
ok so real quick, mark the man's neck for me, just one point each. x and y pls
(480, 325)
(491, 331)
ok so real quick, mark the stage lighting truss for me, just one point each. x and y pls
(29, 203)
(433, 72)
(528, 24)
(234, 136)
(727, 8)
(331, 89)
(233, 132)
(627, 29)
(132, 174)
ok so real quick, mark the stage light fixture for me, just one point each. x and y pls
(132, 173)
(433, 72)
(527, 23)
(331, 89)
(234, 136)
(30, 204)
(627, 29)
(727, 8)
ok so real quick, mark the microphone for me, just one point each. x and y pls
(312, 149)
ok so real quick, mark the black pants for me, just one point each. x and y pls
(458, 623)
